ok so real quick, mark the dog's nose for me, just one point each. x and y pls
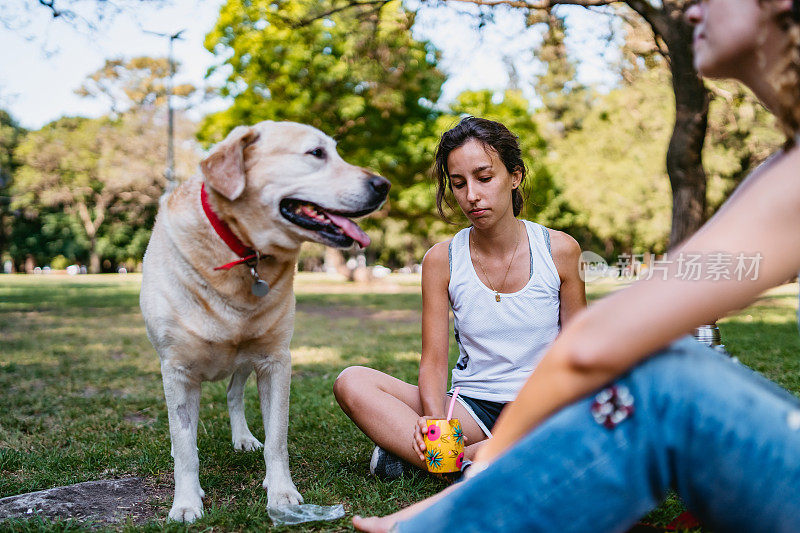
(379, 185)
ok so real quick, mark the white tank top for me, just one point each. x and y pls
(500, 343)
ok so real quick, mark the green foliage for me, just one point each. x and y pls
(88, 189)
(10, 135)
(565, 101)
(356, 74)
(137, 83)
(59, 262)
(741, 135)
(91, 186)
(613, 169)
(45, 234)
(59, 163)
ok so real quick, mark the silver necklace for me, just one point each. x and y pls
(508, 268)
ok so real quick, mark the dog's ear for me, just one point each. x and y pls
(224, 166)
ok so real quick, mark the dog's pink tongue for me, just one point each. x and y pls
(350, 229)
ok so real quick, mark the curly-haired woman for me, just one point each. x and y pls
(619, 412)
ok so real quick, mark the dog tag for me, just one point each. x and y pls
(259, 288)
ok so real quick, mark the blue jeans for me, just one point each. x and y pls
(725, 438)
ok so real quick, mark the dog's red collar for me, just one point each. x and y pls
(226, 234)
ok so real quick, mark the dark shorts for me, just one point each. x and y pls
(486, 410)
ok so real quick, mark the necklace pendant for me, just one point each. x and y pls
(497, 297)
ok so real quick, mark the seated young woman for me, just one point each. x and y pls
(669, 414)
(511, 285)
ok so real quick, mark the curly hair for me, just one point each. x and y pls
(785, 76)
(492, 135)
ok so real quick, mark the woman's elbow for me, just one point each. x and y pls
(586, 358)
(583, 352)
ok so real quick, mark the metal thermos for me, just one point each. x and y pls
(709, 335)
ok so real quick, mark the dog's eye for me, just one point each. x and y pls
(319, 153)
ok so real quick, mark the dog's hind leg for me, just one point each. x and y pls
(240, 433)
(183, 407)
(273, 378)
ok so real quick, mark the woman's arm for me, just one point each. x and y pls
(435, 330)
(619, 331)
(566, 256)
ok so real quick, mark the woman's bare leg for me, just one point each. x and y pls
(386, 410)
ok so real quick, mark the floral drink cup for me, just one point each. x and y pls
(444, 445)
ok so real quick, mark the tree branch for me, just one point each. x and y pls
(51, 5)
(520, 4)
(536, 4)
(349, 5)
(86, 218)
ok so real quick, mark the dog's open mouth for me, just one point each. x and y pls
(335, 228)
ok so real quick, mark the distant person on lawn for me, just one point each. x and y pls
(619, 412)
(511, 284)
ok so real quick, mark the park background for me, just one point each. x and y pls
(588, 91)
(628, 151)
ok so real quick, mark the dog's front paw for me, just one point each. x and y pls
(282, 496)
(186, 511)
(246, 443)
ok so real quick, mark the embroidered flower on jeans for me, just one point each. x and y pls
(612, 405)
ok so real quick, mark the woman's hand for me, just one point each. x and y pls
(418, 440)
(420, 430)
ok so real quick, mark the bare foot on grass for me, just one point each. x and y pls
(373, 524)
(383, 524)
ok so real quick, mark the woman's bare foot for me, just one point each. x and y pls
(373, 524)
(377, 524)
(382, 524)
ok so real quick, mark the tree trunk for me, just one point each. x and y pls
(684, 156)
(91, 227)
(94, 258)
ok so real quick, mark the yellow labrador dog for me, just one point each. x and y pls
(217, 294)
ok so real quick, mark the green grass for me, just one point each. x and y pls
(82, 396)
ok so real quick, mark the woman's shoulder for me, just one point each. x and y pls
(442, 250)
(560, 243)
(438, 255)
(565, 251)
(563, 243)
(436, 266)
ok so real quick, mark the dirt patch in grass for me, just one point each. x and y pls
(103, 502)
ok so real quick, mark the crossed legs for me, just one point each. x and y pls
(386, 410)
